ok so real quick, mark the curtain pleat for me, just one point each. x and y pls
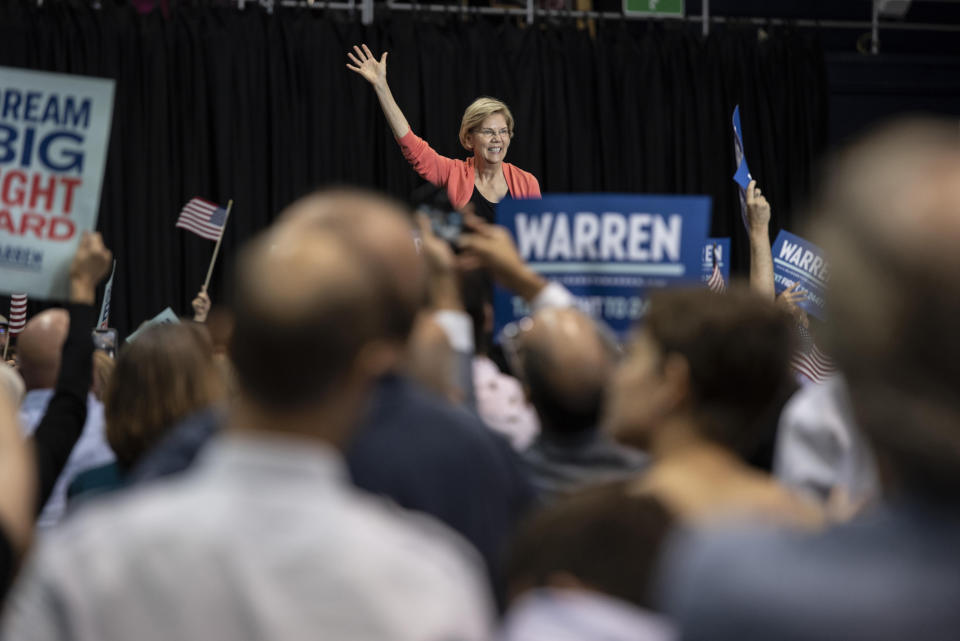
(222, 104)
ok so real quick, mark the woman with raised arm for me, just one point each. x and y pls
(486, 131)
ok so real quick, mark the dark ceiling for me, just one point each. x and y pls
(927, 27)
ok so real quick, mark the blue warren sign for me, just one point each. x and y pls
(719, 247)
(608, 250)
(797, 260)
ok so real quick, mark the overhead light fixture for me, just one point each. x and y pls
(894, 8)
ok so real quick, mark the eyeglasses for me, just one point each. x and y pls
(490, 133)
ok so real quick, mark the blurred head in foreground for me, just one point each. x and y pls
(381, 230)
(599, 539)
(715, 362)
(889, 219)
(310, 321)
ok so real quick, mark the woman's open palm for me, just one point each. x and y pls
(367, 66)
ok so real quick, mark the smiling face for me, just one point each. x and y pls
(490, 139)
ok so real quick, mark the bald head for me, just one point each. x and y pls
(39, 346)
(11, 385)
(306, 306)
(381, 229)
(566, 365)
(889, 217)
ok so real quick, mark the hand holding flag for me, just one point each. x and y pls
(89, 266)
(201, 306)
(207, 220)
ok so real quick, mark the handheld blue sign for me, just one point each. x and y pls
(742, 177)
(719, 248)
(796, 260)
(606, 249)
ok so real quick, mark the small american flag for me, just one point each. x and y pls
(809, 361)
(18, 313)
(716, 283)
(203, 218)
(104, 321)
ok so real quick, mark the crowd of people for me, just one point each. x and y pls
(345, 451)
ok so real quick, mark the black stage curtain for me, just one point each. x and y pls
(223, 103)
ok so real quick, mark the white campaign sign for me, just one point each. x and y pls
(54, 130)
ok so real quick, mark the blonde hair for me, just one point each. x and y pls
(478, 111)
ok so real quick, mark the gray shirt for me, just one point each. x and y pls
(561, 464)
(264, 540)
(890, 575)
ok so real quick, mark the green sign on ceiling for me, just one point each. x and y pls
(665, 8)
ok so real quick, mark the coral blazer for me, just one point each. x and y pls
(459, 176)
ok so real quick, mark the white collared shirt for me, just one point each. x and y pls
(819, 447)
(91, 450)
(551, 614)
(503, 405)
(264, 540)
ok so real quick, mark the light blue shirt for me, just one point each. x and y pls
(91, 450)
(265, 538)
(582, 615)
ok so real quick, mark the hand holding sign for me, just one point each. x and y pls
(792, 296)
(758, 209)
(492, 247)
(758, 226)
(799, 262)
(90, 264)
(791, 299)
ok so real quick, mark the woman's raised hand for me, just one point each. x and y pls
(374, 71)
